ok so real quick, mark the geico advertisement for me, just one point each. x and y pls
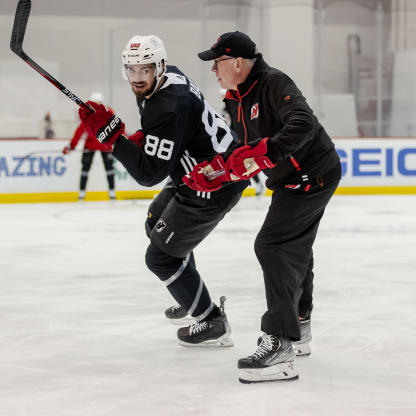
(39, 166)
(377, 162)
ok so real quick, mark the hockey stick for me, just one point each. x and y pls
(16, 45)
(215, 174)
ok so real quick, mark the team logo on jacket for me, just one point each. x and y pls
(254, 111)
(160, 226)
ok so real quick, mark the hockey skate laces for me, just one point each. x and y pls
(265, 346)
(197, 327)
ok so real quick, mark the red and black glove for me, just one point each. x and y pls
(102, 124)
(207, 176)
(246, 161)
(137, 138)
(66, 150)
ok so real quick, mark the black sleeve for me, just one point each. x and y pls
(288, 103)
(151, 163)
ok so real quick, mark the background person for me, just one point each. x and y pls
(91, 145)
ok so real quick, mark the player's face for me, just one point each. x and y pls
(224, 70)
(142, 78)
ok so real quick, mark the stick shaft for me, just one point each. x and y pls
(16, 45)
(215, 174)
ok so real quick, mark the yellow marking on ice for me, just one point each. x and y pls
(73, 196)
(39, 197)
(376, 190)
(370, 190)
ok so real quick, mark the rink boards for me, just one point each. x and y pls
(377, 166)
(36, 171)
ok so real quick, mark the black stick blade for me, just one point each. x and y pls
(19, 27)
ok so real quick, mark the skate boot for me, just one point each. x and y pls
(178, 315)
(302, 347)
(272, 361)
(213, 333)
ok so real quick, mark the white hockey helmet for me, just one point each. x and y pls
(97, 97)
(145, 50)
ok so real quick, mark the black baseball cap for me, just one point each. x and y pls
(235, 44)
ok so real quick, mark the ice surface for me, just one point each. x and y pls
(82, 329)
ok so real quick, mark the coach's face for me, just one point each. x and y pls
(226, 70)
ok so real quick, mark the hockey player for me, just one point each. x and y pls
(91, 145)
(283, 138)
(179, 130)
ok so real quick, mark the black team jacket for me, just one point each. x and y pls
(268, 104)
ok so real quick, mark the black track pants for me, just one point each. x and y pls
(86, 161)
(284, 250)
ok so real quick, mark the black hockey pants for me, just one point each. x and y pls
(284, 250)
(178, 220)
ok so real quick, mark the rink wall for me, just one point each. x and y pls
(36, 171)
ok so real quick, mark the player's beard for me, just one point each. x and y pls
(142, 89)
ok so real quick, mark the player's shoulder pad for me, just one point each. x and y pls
(174, 95)
(174, 69)
(180, 78)
(174, 76)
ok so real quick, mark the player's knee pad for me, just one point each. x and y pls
(161, 264)
(153, 258)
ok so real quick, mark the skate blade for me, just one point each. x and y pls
(224, 341)
(277, 372)
(302, 350)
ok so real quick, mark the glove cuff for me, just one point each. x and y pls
(111, 132)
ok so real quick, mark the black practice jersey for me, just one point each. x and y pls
(181, 130)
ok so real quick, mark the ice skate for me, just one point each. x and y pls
(212, 333)
(177, 315)
(81, 195)
(112, 194)
(302, 347)
(272, 361)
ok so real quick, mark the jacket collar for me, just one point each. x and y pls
(259, 68)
